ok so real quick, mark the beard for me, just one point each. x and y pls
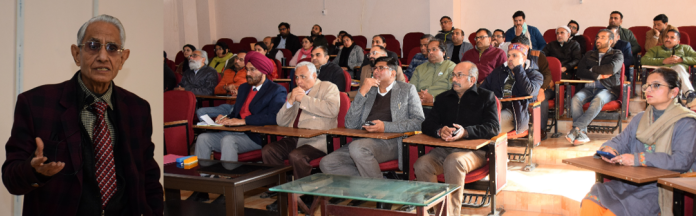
(253, 80)
(195, 65)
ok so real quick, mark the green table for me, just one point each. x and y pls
(423, 195)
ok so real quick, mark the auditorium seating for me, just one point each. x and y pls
(639, 32)
(210, 51)
(227, 41)
(554, 111)
(550, 35)
(691, 30)
(179, 108)
(591, 32)
(411, 39)
(616, 109)
(360, 40)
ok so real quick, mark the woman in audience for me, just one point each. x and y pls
(263, 49)
(222, 55)
(305, 52)
(183, 66)
(350, 56)
(664, 136)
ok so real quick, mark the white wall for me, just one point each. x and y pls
(260, 18)
(51, 27)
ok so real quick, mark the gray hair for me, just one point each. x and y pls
(204, 54)
(102, 18)
(310, 66)
(473, 71)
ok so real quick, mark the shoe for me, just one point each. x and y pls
(199, 197)
(356, 202)
(268, 194)
(543, 135)
(581, 138)
(688, 96)
(572, 134)
(273, 206)
(219, 200)
(386, 206)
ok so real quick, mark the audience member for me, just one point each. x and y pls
(616, 19)
(318, 38)
(673, 55)
(376, 52)
(485, 56)
(200, 79)
(169, 78)
(328, 71)
(656, 36)
(566, 51)
(537, 60)
(419, 58)
(229, 84)
(184, 65)
(305, 52)
(273, 53)
(574, 35)
(456, 49)
(378, 40)
(625, 48)
(285, 39)
(433, 77)
(222, 56)
(263, 49)
(337, 44)
(350, 55)
(498, 40)
(521, 28)
(445, 34)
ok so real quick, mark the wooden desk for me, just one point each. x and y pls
(575, 81)
(633, 174)
(287, 131)
(680, 186)
(281, 80)
(211, 99)
(516, 98)
(428, 104)
(362, 133)
(288, 67)
(244, 128)
(433, 141)
(651, 67)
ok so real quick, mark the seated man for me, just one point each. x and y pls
(673, 55)
(456, 49)
(498, 40)
(227, 86)
(376, 52)
(273, 53)
(515, 78)
(328, 71)
(285, 39)
(200, 79)
(537, 60)
(485, 56)
(419, 58)
(602, 65)
(313, 104)
(574, 27)
(625, 48)
(393, 107)
(565, 50)
(478, 119)
(656, 36)
(445, 35)
(520, 27)
(616, 19)
(337, 44)
(433, 77)
(378, 40)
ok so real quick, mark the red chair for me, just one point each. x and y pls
(554, 111)
(236, 48)
(360, 41)
(388, 36)
(330, 39)
(472, 38)
(286, 54)
(308, 59)
(227, 41)
(691, 30)
(527, 139)
(550, 35)
(171, 64)
(414, 51)
(210, 51)
(616, 109)
(348, 80)
(685, 39)
(411, 40)
(300, 38)
(394, 46)
(640, 33)
(279, 72)
(247, 41)
(588, 43)
(591, 32)
(179, 58)
(179, 111)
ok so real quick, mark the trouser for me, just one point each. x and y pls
(214, 112)
(360, 158)
(455, 164)
(229, 144)
(684, 76)
(597, 98)
(550, 94)
(507, 120)
(299, 157)
(590, 208)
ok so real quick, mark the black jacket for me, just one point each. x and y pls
(527, 83)
(476, 111)
(569, 54)
(292, 43)
(581, 40)
(201, 83)
(611, 63)
(333, 73)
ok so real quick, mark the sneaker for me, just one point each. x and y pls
(581, 138)
(572, 134)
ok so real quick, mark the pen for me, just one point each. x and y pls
(223, 117)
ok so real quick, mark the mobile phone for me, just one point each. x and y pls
(457, 131)
(369, 123)
(606, 154)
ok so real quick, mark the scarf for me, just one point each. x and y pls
(659, 133)
(344, 55)
(304, 52)
(525, 32)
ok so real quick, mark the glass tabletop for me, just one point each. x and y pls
(214, 167)
(368, 189)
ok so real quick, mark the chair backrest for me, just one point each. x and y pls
(178, 78)
(248, 40)
(235, 48)
(227, 41)
(360, 41)
(411, 39)
(639, 32)
(555, 67)
(591, 32)
(300, 38)
(330, 39)
(308, 59)
(691, 30)
(179, 57)
(171, 64)
(685, 38)
(414, 51)
(210, 50)
(343, 110)
(588, 43)
(472, 38)
(287, 54)
(550, 35)
(179, 105)
(279, 70)
(388, 36)
(394, 46)
(348, 80)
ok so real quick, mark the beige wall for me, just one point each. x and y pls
(51, 27)
(260, 18)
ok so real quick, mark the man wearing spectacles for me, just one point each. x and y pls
(285, 39)
(456, 49)
(674, 55)
(106, 165)
(445, 35)
(574, 27)
(498, 40)
(433, 77)
(602, 65)
(420, 57)
(200, 79)
(520, 27)
(565, 50)
(378, 40)
(376, 52)
(485, 56)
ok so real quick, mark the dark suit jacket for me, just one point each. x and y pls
(476, 111)
(51, 113)
(333, 73)
(263, 107)
(292, 43)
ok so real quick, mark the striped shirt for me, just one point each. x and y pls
(89, 118)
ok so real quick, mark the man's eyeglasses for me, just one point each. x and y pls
(380, 68)
(460, 75)
(282, 29)
(481, 37)
(497, 36)
(194, 56)
(653, 86)
(572, 27)
(374, 53)
(94, 47)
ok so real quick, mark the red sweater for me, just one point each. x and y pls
(489, 60)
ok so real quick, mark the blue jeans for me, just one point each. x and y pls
(597, 98)
(214, 112)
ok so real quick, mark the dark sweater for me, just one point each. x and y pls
(333, 73)
(476, 111)
(381, 109)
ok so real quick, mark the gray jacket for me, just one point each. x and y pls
(450, 47)
(354, 60)
(406, 110)
(201, 83)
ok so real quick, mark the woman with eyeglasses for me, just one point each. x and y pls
(664, 136)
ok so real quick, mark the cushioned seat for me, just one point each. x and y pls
(611, 106)
(391, 165)
(472, 176)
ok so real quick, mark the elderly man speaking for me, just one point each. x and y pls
(84, 147)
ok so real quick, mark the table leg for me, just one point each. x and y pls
(282, 204)
(678, 202)
(292, 200)
(234, 201)
(420, 211)
(172, 200)
(324, 204)
(442, 208)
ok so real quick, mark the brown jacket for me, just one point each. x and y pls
(319, 111)
(651, 40)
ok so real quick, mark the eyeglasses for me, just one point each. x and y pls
(572, 27)
(653, 86)
(497, 36)
(376, 52)
(282, 29)
(194, 56)
(94, 47)
(481, 37)
(460, 75)
(380, 68)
